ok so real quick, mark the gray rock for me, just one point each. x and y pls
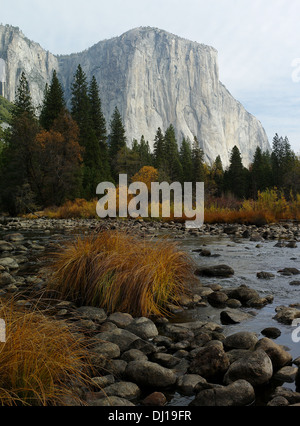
(186, 384)
(6, 246)
(292, 244)
(121, 320)
(146, 347)
(143, 327)
(103, 382)
(279, 401)
(234, 316)
(265, 275)
(256, 368)
(291, 396)
(271, 332)
(177, 333)
(217, 299)
(235, 354)
(16, 237)
(9, 262)
(166, 360)
(117, 367)
(241, 340)
(233, 303)
(120, 337)
(107, 349)
(222, 271)
(134, 355)
(111, 401)
(155, 399)
(276, 353)
(237, 394)
(289, 271)
(125, 390)
(149, 374)
(243, 294)
(211, 363)
(286, 374)
(295, 284)
(93, 314)
(6, 279)
(286, 315)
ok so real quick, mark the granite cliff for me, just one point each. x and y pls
(154, 78)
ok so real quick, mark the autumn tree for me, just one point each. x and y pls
(147, 175)
(59, 161)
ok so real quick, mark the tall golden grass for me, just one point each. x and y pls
(120, 272)
(270, 206)
(40, 361)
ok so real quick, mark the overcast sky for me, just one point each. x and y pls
(258, 42)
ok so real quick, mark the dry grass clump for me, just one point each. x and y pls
(119, 272)
(40, 361)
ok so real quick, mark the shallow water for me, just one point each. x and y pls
(247, 260)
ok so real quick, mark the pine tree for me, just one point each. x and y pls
(18, 176)
(172, 160)
(199, 173)
(23, 102)
(53, 104)
(159, 150)
(117, 139)
(81, 113)
(261, 172)
(99, 127)
(235, 177)
(186, 160)
(217, 174)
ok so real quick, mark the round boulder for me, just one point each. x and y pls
(256, 368)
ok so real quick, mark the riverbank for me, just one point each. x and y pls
(181, 360)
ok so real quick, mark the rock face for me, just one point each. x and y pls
(154, 78)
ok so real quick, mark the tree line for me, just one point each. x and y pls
(64, 154)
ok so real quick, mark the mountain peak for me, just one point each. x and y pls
(155, 78)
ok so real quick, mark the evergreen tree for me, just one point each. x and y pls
(261, 172)
(53, 104)
(18, 175)
(145, 153)
(99, 127)
(117, 139)
(23, 102)
(172, 160)
(159, 157)
(81, 113)
(235, 177)
(199, 173)
(186, 160)
(217, 174)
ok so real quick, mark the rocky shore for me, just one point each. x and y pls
(151, 362)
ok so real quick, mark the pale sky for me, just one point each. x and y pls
(258, 42)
